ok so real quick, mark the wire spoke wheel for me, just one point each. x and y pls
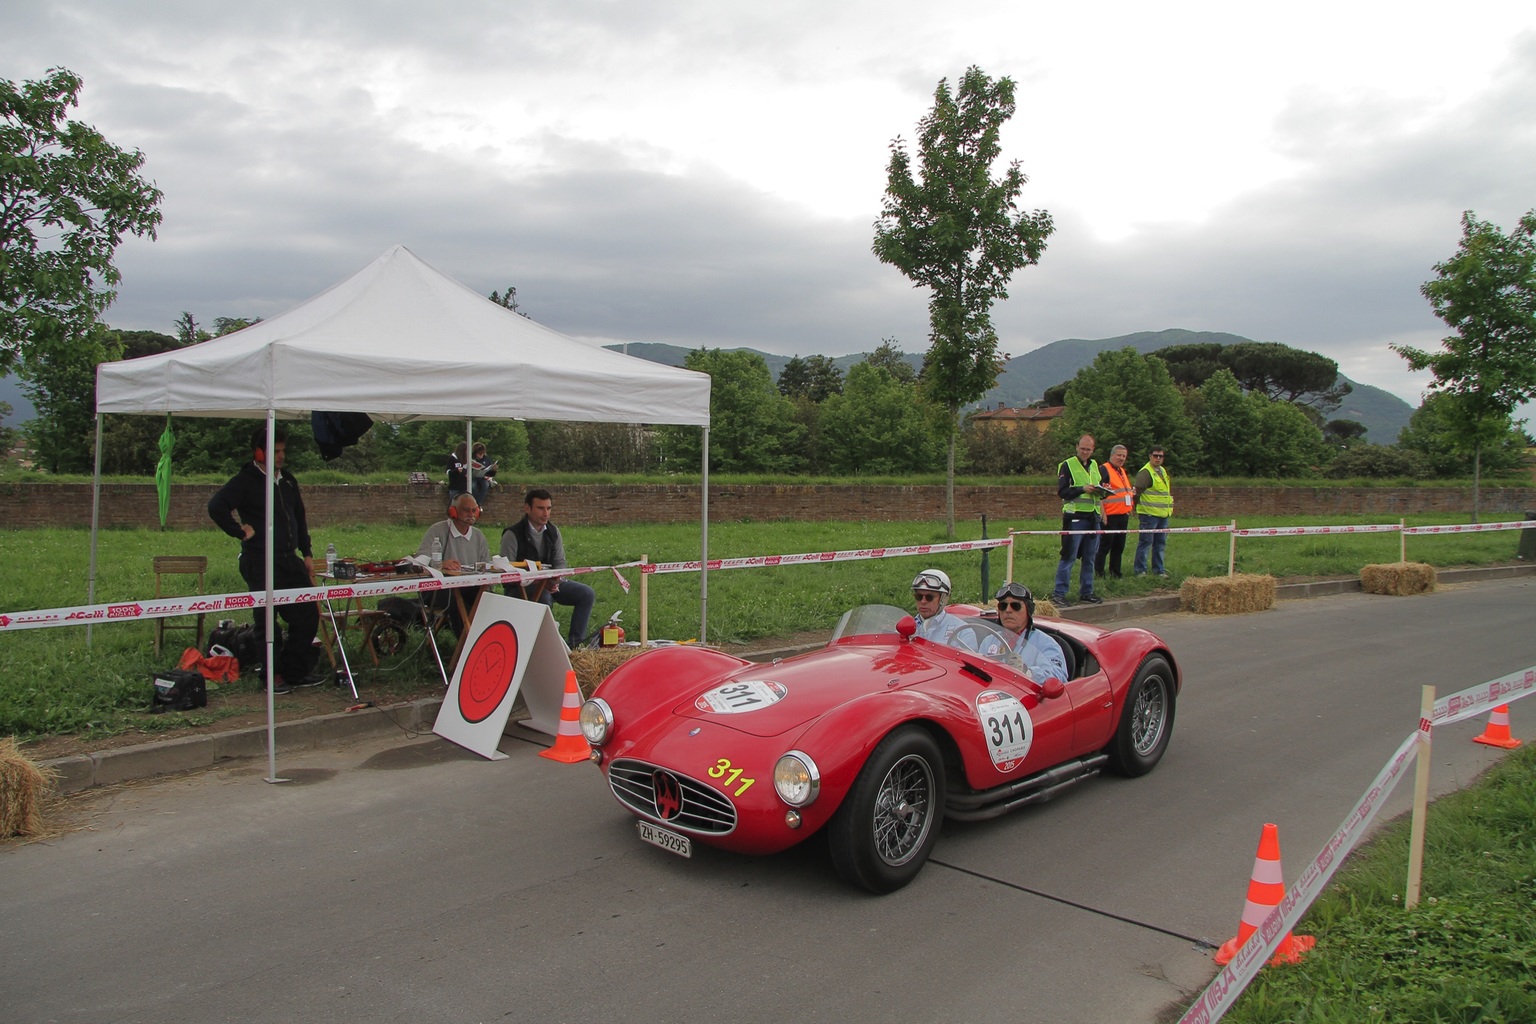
(903, 810)
(882, 834)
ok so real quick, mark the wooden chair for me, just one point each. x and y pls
(179, 565)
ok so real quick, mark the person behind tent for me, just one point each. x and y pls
(477, 469)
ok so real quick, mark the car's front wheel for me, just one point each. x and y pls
(882, 834)
(1146, 721)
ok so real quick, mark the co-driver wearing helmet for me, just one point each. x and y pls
(1040, 653)
(930, 592)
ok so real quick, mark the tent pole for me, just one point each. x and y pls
(271, 612)
(90, 574)
(704, 547)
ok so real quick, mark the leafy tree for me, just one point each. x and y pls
(8, 435)
(1287, 374)
(752, 429)
(1344, 432)
(507, 300)
(591, 447)
(890, 356)
(992, 449)
(880, 425)
(59, 377)
(1433, 439)
(1486, 293)
(1247, 434)
(1124, 397)
(815, 377)
(1375, 461)
(956, 230)
(67, 198)
(1193, 364)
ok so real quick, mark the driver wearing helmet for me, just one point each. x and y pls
(930, 592)
(1040, 653)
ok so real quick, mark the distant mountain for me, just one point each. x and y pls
(1025, 378)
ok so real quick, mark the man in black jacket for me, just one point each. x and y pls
(535, 538)
(239, 508)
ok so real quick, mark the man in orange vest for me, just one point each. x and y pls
(1116, 508)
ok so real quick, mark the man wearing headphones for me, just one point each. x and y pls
(1040, 653)
(462, 546)
(930, 592)
(239, 508)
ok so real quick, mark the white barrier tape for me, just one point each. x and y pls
(1296, 531)
(199, 604)
(1484, 697)
(1224, 989)
(861, 554)
(1224, 528)
(1470, 527)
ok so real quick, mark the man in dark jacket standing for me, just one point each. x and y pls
(535, 538)
(239, 509)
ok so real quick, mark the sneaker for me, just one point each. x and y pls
(1165, 575)
(281, 687)
(1091, 599)
(1061, 601)
(315, 678)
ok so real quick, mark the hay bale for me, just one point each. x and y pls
(22, 786)
(1398, 578)
(1045, 606)
(1228, 595)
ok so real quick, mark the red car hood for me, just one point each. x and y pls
(770, 699)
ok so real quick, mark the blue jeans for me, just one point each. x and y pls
(1155, 542)
(579, 598)
(1082, 543)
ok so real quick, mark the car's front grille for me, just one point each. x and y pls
(674, 800)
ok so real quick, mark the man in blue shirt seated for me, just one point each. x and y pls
(1040, 653)
(930, 592)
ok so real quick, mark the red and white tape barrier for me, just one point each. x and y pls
(856, 555)
(1224, 528)
(164, 607)
(1471, 527)
(1478, 700)
(1297, 531)
(1224, 989)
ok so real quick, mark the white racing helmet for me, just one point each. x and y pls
(932, 579)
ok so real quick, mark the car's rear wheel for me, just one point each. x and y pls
(1146, 721)
(882, 834)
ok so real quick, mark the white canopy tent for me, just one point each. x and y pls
(401, 341)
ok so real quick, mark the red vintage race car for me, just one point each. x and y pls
(875, 737)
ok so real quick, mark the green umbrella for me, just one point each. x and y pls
(163, 470)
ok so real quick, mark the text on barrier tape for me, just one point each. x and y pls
(814, 557)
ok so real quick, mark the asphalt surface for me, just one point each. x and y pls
(395, 879)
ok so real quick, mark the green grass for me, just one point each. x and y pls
(1462, 956)
(51, 682)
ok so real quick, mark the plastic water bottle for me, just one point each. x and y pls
(437, 553)
(330, 559)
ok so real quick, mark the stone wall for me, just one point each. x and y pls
(135, 505)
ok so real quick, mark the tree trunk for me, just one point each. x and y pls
(949, 481)
(1477, 480)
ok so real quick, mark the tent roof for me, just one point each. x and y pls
(400, 340)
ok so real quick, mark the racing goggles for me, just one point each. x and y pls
(1014, 589)
(930, 581)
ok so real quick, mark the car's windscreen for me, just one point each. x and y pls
(867, 619)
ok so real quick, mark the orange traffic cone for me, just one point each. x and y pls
(1497, 732)
(1265, 888)
(570, 745)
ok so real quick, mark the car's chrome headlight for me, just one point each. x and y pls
(796, 779)
(596, 721)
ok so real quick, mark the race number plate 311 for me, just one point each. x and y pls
(670, 841)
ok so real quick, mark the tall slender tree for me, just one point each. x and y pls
(1486, 293)
(954, 228)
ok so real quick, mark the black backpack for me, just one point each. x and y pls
(178, 690)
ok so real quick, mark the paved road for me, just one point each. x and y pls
(410, 881)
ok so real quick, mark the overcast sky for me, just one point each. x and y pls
(707, 173)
